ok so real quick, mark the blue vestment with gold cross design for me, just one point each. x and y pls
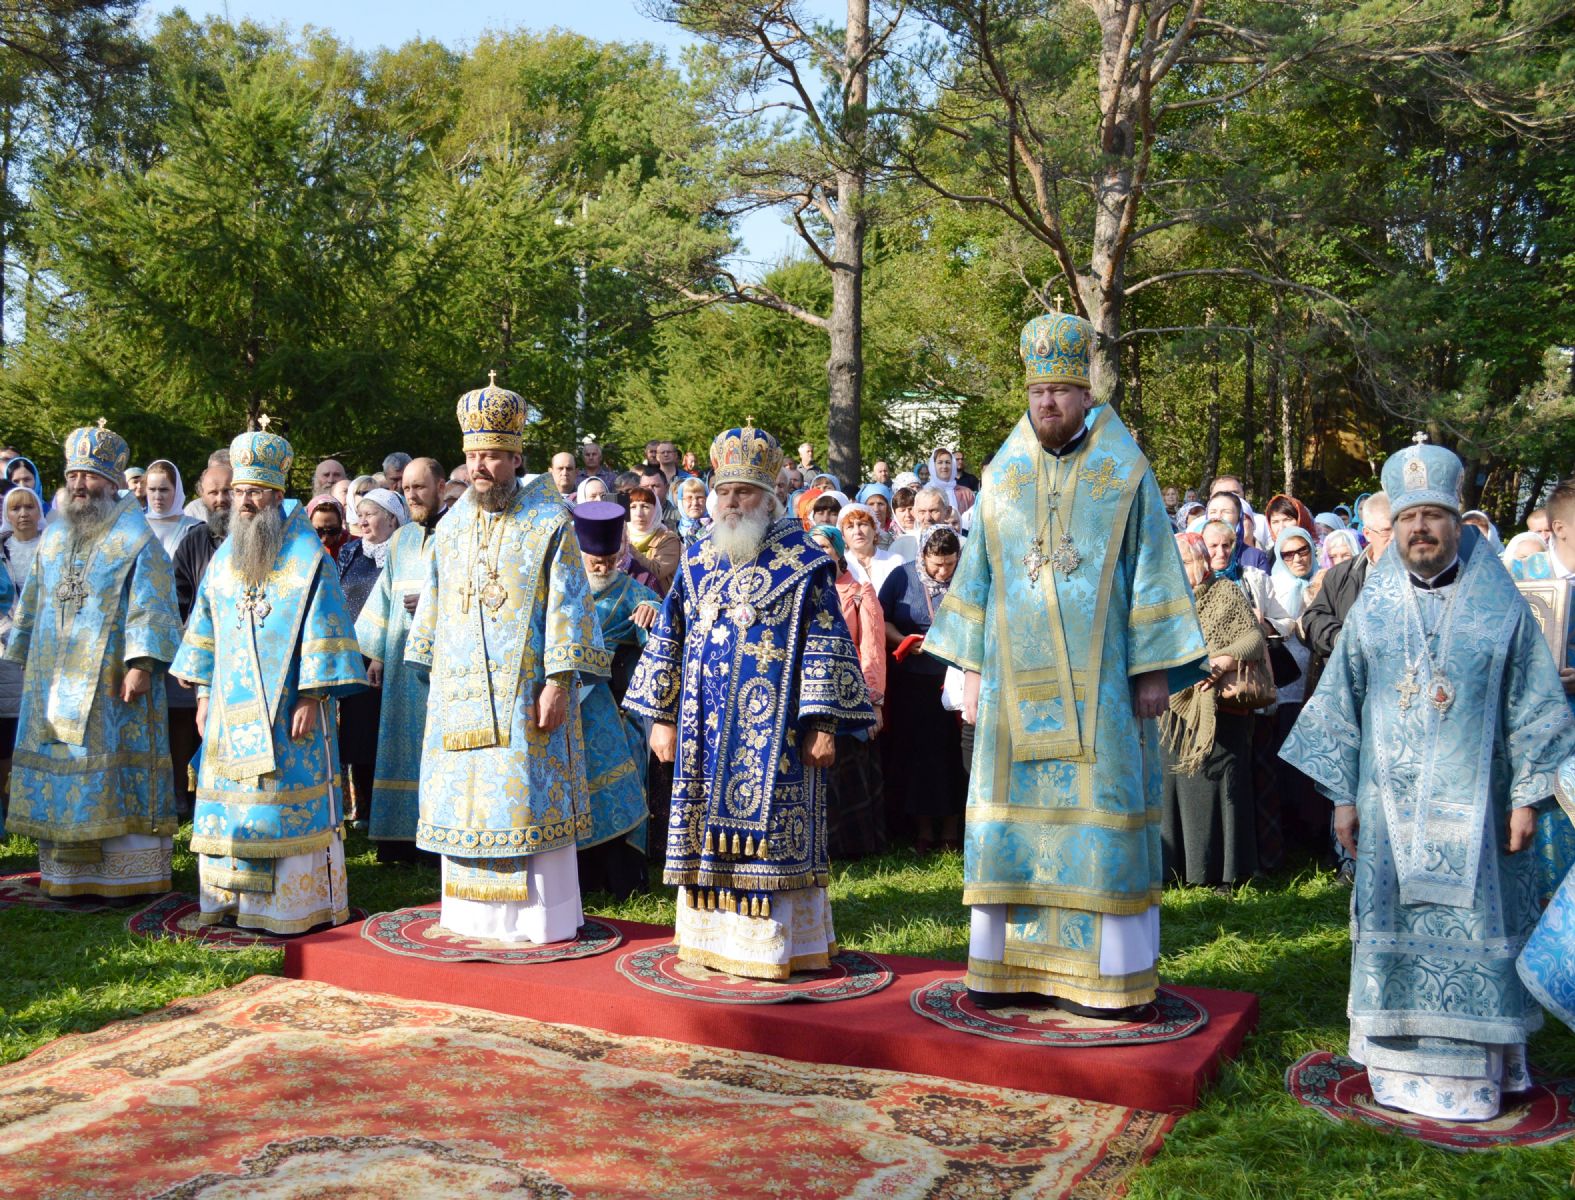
(1057, 612)
(253, 652)
(745, 659)
(614, 742)
(506, 607)
(381, 628)
(89, 767)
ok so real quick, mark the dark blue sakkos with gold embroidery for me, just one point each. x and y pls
(746, 660)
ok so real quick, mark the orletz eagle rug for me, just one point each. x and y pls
(287, 1088)
(24, 890)
(175, 918)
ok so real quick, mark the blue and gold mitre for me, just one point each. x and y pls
(99, 449)
(1055, 348)
(746, 455)
(261, 459)
(492, 418)
(1423, 474)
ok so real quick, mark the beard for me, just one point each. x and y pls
(219, 522)
(90, 516)
(739, 536)
(600, 583)
(496, 498)
(421, 513)
(255, 542)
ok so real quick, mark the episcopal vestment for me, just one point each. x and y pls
(1069, 586)
(506, 607)
(746, 660)
(269, 813)
(382, 627)
(91, 777)
(1439, 711)
(615, 742)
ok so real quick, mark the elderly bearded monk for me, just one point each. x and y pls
(1437, 731)
(96, 625)
(1073, 621)
(269, 645)
(506, 625)
(749, 675)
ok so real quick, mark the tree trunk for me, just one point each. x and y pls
(845, 366)
(1287, 430)
(1211, 462)
(1249, 426)
(1103, 289)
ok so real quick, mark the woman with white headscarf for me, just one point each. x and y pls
(943, 478)
(165, 498)
(22, 523)
(592, 488)
(360, 564)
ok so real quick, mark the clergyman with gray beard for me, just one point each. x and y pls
(95, 627)
(269, 607)
(751, 642)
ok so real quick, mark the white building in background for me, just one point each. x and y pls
(927, 419)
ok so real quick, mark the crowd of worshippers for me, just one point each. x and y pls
(1091, 686)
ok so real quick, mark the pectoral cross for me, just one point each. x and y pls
(253, 603)
(1035, 560)
(466, 591)
(1408, 689)
(72, 590)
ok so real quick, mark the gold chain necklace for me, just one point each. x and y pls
(486, 540)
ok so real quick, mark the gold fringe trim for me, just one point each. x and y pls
(223, 847)
(774, 972)
(744, 881)
(258, 882)
(517, 892)
(1047, 897)
(470, 739)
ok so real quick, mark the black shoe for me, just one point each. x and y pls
(1129, 1014)
(992, 1000)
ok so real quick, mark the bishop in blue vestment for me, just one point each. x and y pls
(749, 675)
(1437, 730)
(1071, 616)
(96, 626)
(507, 629)
(269, 644)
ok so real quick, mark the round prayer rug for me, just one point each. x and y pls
(850, 976)
(25, 889)
(1337, 1087)
(1169, 1017)
(174, 918)
(415, 933)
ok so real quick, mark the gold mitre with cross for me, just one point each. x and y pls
(99, 449)
(261, 459)
(1055, 348)
(492, 418)
(746, 455)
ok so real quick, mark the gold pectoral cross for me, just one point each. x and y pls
(1408, 689)
(466, 591)
(253, 603)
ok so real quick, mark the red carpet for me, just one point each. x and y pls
(278, 1089)
(877, 1031)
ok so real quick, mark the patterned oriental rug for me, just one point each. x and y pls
(1337, 1087)
(415, 933)
(174, 918)
(1169, 1017)
(282, 1088)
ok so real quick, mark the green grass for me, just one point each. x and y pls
(1284, 940)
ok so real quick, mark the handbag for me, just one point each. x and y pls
(1250, 686)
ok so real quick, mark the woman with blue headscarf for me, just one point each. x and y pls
(20, 472)
(877, 497)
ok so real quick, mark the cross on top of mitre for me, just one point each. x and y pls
(263, 422)
(1419, 437)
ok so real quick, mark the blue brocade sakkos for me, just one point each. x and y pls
(88, 767)
(1439, 911)
(1065, 796)
(615, 743)
(495, 787)
(744, 658)
(262, 796)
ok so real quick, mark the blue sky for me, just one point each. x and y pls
(459, 22)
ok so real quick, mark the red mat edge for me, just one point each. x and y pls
(877, 1031)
